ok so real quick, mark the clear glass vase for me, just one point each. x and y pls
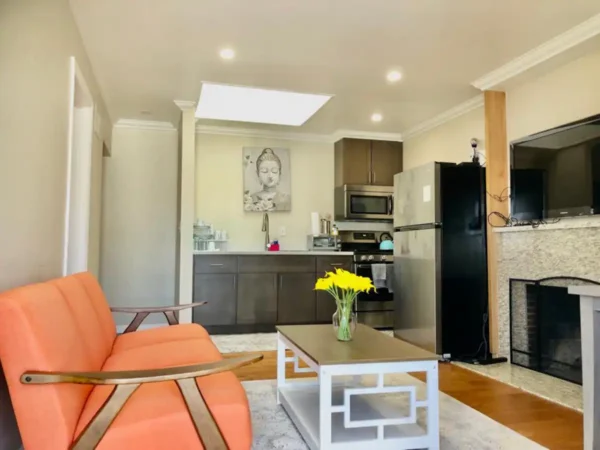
(344, 324)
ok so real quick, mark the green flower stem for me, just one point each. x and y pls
(344, 299)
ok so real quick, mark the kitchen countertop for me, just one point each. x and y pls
(282, 252)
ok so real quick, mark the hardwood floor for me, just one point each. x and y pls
(548, 424)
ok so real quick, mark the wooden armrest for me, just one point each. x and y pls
(141, 313)
(126, 383)
(154, 309)
(139, 376)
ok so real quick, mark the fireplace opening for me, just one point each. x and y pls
(545, 328)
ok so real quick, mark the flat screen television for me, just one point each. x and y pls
(556, 173)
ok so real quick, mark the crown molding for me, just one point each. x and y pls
(446, 116)
(145, 125)
(549, 49)
(185, 105)
(374, 136)
(256, 133)
(284, 135)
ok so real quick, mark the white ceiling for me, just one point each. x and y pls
(147, 53)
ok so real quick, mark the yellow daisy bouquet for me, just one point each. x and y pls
(344, 286)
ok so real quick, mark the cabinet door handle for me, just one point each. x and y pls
(336, 264)
(216, 265)
(374, 177)
(280, 283)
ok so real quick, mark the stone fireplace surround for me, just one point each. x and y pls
(569, 248)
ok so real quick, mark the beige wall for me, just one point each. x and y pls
(139, 223)
(37, 37)
(219, 189)
(449, 142)
(566, 94)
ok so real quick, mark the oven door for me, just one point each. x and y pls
(380, 295)
(369, 205)
(376, 308)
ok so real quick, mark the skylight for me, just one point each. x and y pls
(247, 104)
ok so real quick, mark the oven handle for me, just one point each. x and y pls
(366, 266)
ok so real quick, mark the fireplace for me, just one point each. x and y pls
(545, 330)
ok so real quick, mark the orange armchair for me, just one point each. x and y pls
(75, 384)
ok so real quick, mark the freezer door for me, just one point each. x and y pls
(416, 196)
(417, 288)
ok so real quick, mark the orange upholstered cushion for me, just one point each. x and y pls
(155, 416)
(89, 324)
(39, 330)
(95, 294)
(159, 335)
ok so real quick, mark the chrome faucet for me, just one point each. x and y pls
(265, 228)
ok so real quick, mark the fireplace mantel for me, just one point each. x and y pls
(562, 224)
(590, 342)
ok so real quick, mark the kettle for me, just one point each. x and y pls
(386, 242)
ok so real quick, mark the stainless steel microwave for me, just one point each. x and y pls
(363, 202)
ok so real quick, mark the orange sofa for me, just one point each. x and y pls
(75, 383)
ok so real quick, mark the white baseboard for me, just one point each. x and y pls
(121, 328)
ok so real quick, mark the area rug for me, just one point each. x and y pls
(461, 427)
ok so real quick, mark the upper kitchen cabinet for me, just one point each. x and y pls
(386, 161)
(352, 162)
(361, 161)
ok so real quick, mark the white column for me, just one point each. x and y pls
(186, 208)
(590, 355)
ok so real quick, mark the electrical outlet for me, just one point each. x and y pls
(282, 231)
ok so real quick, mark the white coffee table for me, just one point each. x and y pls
(322, 410)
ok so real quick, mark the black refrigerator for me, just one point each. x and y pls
(440, 259)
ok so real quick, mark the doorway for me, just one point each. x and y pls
(79, 173)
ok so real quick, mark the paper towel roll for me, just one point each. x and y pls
(314, 223)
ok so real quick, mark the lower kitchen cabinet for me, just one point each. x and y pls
(253, 293)
(257, 298)
(325, 307)
(220, 292)
(297, 298)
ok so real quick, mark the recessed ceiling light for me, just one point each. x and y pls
(376, 117)
(227, 53)
(248, 104)
(393, 76)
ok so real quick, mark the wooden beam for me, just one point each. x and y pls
(497, 179)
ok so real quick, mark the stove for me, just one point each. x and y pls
(376, 308)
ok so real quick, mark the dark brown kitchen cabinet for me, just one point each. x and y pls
(330, 263)
(296, 298)
(257, 298)
(362, 161)
(386, 161)
(325, 307)
(352, 162)
(253, 293)
(276, 264)
(220, 292)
